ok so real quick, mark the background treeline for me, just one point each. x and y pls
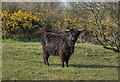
(31, 19)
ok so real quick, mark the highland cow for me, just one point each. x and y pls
(59, 45)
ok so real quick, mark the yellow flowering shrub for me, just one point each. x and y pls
(73, 22)
(106, 29)
(20, 22)
(69, 23)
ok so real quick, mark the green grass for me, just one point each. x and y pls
(23, 61)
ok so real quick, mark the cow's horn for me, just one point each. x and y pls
(67, 30)
(82, 28)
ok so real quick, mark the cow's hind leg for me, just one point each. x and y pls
(62, 63)
(45, 57)
(46, 60)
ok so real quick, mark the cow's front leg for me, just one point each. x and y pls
(67, 63)
(67, 59)
(63, 59)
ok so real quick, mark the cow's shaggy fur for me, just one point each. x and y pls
(59, 44)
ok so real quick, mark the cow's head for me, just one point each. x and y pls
(73, 34)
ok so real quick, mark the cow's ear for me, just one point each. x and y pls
(71, 30)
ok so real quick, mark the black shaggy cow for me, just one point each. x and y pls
(59, 44)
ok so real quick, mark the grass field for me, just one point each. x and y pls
(23, 61)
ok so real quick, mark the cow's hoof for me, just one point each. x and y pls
(62, 66)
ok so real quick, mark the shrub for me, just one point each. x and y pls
(20, 22)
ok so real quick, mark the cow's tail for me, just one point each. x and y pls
(42, 37)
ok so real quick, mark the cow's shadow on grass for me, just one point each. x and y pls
(87, 66)
(93, 66)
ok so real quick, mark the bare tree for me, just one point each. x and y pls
(107, 35)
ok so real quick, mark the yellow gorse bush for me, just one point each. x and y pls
(74, 22)
(20, 21)
(107, 29)
(68, 22)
